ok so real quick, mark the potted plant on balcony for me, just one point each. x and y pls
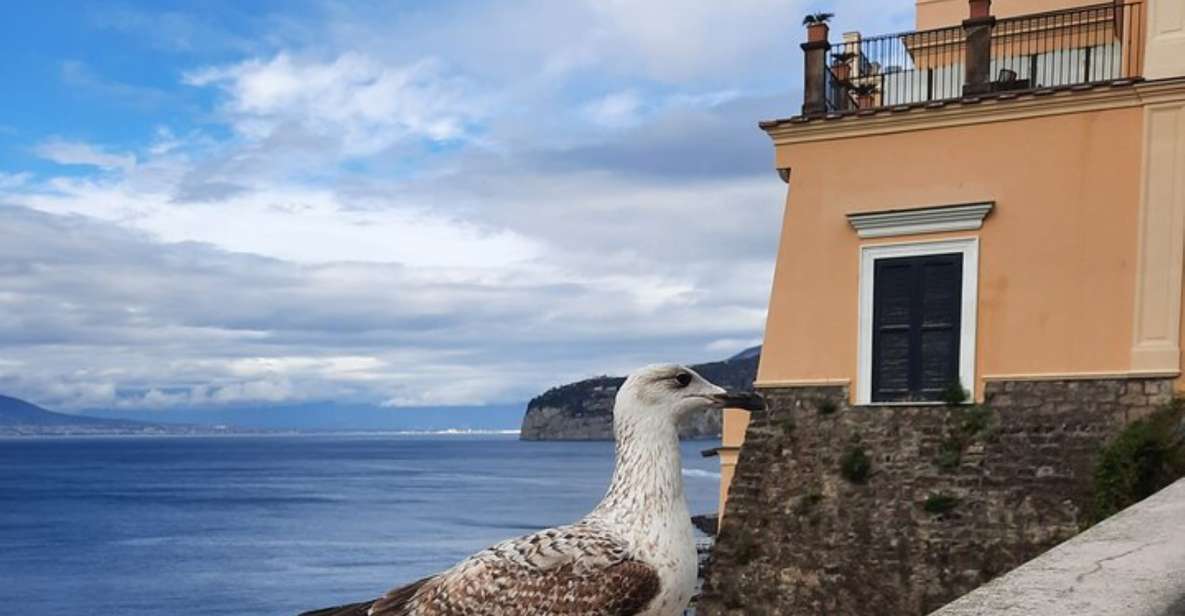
(816, 26)
(841, 65)
(865, 94)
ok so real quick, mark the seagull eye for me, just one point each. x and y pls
(683, 379)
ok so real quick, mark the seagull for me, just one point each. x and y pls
(633, 555)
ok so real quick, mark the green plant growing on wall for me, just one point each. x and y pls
(938, 504)
(828, 407)
(955, 394)
(950, 454)
(976, 422)
(1146, 456)
(787, 424)
(806, 506)
(855, 465)
(744, 546)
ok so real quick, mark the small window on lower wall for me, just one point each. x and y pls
(917, 320)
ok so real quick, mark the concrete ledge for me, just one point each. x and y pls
(1132, 564)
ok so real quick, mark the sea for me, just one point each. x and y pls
(277, 524)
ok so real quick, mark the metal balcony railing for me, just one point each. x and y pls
(1076, 46)
(907, 67)
(838, 92)
(1084, 45)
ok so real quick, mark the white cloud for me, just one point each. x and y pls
(677, 40)
(79, 76)
(366, 104)
(451, 206)
(66, 152)
(353, 368)
(732, 345)
(302, 224)
(273, 390)
(488, 280)
(14, 180)
(616, 109)
(105, 317)
(753, 41)
(255, 392)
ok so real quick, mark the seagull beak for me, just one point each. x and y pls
(747, 400)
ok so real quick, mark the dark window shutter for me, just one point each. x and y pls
(916, 305)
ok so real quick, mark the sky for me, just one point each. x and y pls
(403, 203)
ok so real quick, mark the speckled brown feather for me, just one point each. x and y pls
(575, 569)
(362, 609)
(354, 609)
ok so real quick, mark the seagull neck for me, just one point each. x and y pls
(648, 473)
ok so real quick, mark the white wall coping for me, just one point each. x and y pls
(888, 223)
(1132, 564)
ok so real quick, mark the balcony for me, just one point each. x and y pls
(1076, 48)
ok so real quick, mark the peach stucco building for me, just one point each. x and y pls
(996, 197)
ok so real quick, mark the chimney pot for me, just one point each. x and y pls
(817, 32)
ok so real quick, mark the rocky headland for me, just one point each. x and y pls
(583, 411)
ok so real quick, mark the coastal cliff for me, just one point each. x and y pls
(583, 411)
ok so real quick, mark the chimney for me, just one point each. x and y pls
(814, 89)
(981, 8)
(977, 30)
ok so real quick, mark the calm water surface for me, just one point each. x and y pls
(275, 524)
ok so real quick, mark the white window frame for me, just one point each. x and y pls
(869, 254)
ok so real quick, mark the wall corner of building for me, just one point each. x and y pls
(1164, 36)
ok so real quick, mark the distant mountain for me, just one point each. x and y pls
(21, 417)
(584, 410)
(18, 417)
(16, 412)
(335, 416)
(749, 353)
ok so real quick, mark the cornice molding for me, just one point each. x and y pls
(889, 223)
(972, 111)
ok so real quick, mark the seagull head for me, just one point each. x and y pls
(671, 390)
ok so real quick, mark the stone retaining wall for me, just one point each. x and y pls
(955, 495)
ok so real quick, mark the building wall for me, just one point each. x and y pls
(1078, 332)
(1057, 255)
(736, 421)
(800, 539)
(1165, 54)
(942, 13)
